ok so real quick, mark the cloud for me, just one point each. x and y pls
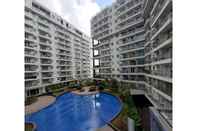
(76, 12)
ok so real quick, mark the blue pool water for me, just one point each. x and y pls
(71, 112)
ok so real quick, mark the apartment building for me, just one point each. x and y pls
(132, 42)
(55, 51)
(119, 37)
(119, 30)
(158, 54)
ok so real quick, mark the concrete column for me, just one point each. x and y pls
(131, 124)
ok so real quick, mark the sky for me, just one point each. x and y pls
(77, 12)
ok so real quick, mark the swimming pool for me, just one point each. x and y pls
(71, 112)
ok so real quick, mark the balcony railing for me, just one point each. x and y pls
(45, 22)
(132, 54)
(127, 6)
(131, 47)
(47, 74)
(44, 28)
(30, 22)
(159, 7)
(30, 44)
(31, 68)
(47, 68)
(161, 24)
(131, 40)
(31, 61)
(128, 23)
(31, 38)
(32, 83)
(47, 81)
(133, 32)
(31, 53)
(31, 77)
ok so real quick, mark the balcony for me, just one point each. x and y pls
(31, 68)
(64, 48)
(129, 23)
(45, 48)
(62, 37)
(132, 40)
(128, 16)
(162, 26)
(131, 58)
(131, 47)
(131, 33)
(31, 60)
(30, 23)
(133, 77)
(62, 79)
(164, 42)
(44, 41)
(64, 52)
(46, 61)
(33, 83)
(45, 36)
(164, 53)
(45, 55)
(132, 54)
(148, 5)
(64, 68)
(29, 15)
(164, 73)
(31, 45)
(132, 63)
(42, 21)
(160, 10)
(64, 62)
(45, 29)
(30, 78)
(62, 32)
(47, 81)
(47, 68)
(30, 53)
(30, 38)
(128, 6)
(47, 74)
(131, 50)
(68, 73)
(134, 70)
(165, 88)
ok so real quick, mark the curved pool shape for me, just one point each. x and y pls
(71, 112)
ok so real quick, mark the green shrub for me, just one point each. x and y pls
(103, 85)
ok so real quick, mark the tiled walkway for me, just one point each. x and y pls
(42, 102)
(105, 128)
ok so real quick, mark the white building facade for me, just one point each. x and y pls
(132, 42)
(55, 51)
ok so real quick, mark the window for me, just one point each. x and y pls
(95, 42)
(96, 62)
(62, 22)
(96, 71)
(96, 52)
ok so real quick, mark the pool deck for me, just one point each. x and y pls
(105, 128)
(42, 102)
(86, 91)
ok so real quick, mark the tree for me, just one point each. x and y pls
(114, 84)
(102, 85)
